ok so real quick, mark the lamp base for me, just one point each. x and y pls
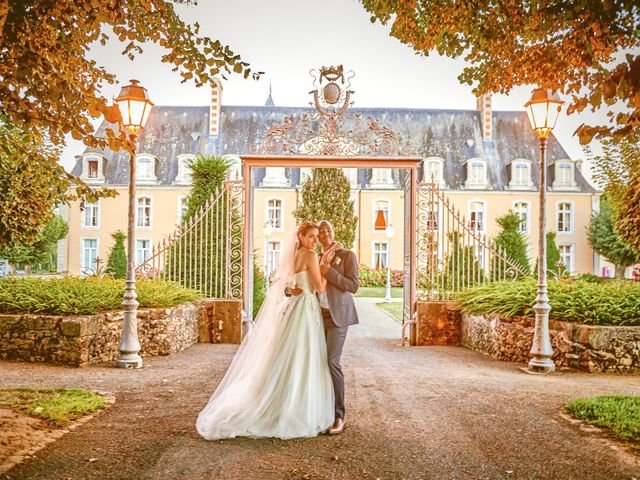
(542, 365)
(129, 360)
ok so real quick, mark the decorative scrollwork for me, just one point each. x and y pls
(338, 133)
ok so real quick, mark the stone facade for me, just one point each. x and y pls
(438, 323)
(590, 348)
(89, 339)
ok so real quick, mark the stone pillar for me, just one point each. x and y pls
(220, 321)
(438, 323)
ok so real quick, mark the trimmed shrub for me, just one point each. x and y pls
(614, 302)
(117, 263)
(84, 296)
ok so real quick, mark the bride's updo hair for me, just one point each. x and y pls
(304, 228)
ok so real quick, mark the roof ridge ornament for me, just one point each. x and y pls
(323, 132)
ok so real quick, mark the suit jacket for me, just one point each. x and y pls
(342, 282)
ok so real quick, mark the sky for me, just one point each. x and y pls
(288, 38)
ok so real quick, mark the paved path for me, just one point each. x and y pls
(413, 413)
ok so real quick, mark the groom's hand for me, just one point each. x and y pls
(294, 292)
(325, 263)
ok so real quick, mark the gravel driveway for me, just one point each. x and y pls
(412, 413)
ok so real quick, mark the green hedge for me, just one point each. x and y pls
(84, 296)
(611, 302)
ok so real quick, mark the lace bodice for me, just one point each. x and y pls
(303, 281)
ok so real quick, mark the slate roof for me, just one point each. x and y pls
(454, 135)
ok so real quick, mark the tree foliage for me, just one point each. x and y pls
(553, 255)
(326, 196)
(577, 48)
(511, 241)
(208, 174)
(31, 184)
(604, 239)
(49, 83)
(617, 171)
(117, 262)
(42, 250)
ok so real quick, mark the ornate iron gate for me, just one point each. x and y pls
(205, 252)
(454, 253)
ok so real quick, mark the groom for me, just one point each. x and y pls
(340, 269)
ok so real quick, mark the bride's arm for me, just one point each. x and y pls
(319, 283)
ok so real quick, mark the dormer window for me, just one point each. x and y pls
(564, 175)
(184, 170)
(92, 169)
(476, 174)
(146, 169)
(382, 177)
(521, 175)
(433, 171)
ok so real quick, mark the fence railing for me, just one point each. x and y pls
(205, 252)
(454, 253)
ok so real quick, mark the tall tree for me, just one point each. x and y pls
(48, 81)
(326, 196)
(577, 48)
(604, 239)
(617, 171)
(31, 184)
(42, 250)
(511, 241)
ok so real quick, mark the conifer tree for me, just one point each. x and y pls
(117, 262)
(511, 241)
(325, 196)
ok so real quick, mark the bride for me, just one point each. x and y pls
(278, 384)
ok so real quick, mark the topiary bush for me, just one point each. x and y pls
(614, 302)
(84, 296)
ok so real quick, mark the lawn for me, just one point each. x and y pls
(57, 406)
(378, 292)
(619, 413)
(394, 308)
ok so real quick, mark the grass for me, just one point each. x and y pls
(84, 296)
(394, 308)
(57, 406)
(619, 413)
(378, 292)
(612, 302)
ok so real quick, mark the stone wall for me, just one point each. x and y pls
(87, 339)
(584, 347)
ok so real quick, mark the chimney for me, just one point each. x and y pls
(214, 109)
(484, 107)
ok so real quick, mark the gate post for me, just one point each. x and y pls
(247, 247)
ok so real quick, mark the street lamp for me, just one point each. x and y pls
(543, 110)
(267, 230)
(389, 233)
(135, 106)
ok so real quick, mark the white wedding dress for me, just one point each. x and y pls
(279, 384)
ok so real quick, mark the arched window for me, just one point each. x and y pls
(184, 170)
(521, 174)
(274, 213)
(92, 169)
(434, 170)
(476, 174)
(477, 216)
(143, 212)
(145, 169)
(380, 214)
(564, 175)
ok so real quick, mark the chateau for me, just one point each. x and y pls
(486, 162)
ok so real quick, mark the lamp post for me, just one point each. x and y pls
(389, 233)
(267, 230)
(135, 106)
(543, 109)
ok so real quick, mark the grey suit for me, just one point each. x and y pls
(342, 282)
